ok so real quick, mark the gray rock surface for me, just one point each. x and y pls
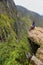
(9, 6)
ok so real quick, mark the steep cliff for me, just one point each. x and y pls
(8, 6)
(14, 43)
(8, 17)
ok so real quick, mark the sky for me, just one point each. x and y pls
(33, 5)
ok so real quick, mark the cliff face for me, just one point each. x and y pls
(36, 36)
(7, 17)
(8, 6)
(12, 50)
(14, 44)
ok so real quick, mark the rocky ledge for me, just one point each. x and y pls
(36, 36)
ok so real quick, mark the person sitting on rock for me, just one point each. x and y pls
(32, 26)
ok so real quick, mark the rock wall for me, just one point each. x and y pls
(9, 7)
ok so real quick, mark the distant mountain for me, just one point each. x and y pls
(23, 12)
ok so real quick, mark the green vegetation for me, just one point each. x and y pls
(14, 44)
(13, 48)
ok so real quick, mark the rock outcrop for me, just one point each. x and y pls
(36, 61)
(9, 7)
(36, 36)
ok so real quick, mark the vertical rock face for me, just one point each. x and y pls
(9, 6)
(2, 7)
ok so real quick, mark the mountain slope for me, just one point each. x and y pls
(23, 12)
(14, 43)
